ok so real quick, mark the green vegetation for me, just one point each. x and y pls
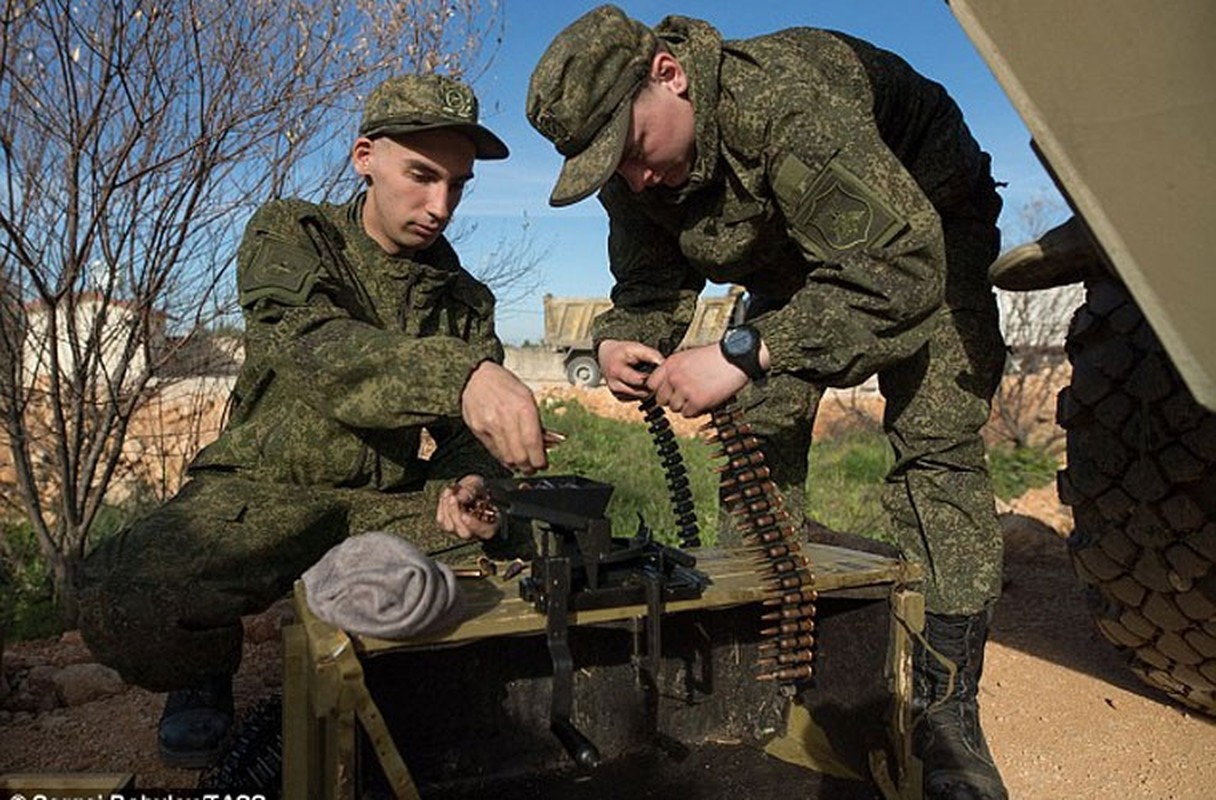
(26, 594)
(1016, 469)
(844, 488)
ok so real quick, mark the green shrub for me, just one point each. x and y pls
(27, 591)
(111, 519)
(27, 594)
(1017, 469)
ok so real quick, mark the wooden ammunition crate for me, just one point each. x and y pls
(465, 713)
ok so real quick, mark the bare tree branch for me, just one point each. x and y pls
(512, 267)
(134, 138)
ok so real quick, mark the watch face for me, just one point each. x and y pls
(739, 341)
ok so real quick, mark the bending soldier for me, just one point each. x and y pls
(844, 191)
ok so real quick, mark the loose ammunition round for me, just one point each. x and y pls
(789, 628)
(745, 476)
(724, 416)
(733, 447)
(778, 550)
(764, 520)
(754, 490)
(754, 507)
(729, 431)
(787, 564)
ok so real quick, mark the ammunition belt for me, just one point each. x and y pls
(678, 488)
(752, 498)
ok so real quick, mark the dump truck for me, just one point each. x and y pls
(1120, 101)
(568, 329)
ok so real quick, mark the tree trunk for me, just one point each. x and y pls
(64, 568)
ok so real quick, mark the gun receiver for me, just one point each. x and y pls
(580, 565)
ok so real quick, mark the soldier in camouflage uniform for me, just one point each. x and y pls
(844, 191)
(362, 331)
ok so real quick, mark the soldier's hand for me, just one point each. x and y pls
(694, 381)
(619, 364)
(464, 509)
(501, 412)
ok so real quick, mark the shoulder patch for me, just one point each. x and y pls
(833, 211)
(281, 272)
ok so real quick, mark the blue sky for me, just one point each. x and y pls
(506, 193)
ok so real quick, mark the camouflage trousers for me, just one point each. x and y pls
(938, 493)
(162, 600)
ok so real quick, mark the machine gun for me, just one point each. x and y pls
(580, 565)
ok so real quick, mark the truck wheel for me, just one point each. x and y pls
(1142, 486)
(583, 371)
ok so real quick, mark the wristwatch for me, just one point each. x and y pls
(741, 346)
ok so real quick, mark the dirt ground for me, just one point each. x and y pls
(1064, 716)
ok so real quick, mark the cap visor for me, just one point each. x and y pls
(489, 147)
(582, 175)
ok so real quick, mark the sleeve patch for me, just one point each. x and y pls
(834, 211)
(280, 272)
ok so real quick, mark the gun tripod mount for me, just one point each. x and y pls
(579, 565)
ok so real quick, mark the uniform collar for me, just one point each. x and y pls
(439, 255)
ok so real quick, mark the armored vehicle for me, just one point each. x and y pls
(1120, 100)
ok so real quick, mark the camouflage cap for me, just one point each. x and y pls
(413, 103)
(581, 94)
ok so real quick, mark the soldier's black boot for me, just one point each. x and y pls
(947, 735)
(195, 723)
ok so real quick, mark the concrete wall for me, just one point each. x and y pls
(535, 363)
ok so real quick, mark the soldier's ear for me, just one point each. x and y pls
(666, 69)
(361, 157)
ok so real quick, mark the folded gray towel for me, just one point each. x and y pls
(378, 584)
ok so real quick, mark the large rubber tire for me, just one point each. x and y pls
(583, 371)
(1142, 485)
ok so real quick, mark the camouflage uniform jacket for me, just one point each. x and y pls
(822, 165)
(350, 354)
